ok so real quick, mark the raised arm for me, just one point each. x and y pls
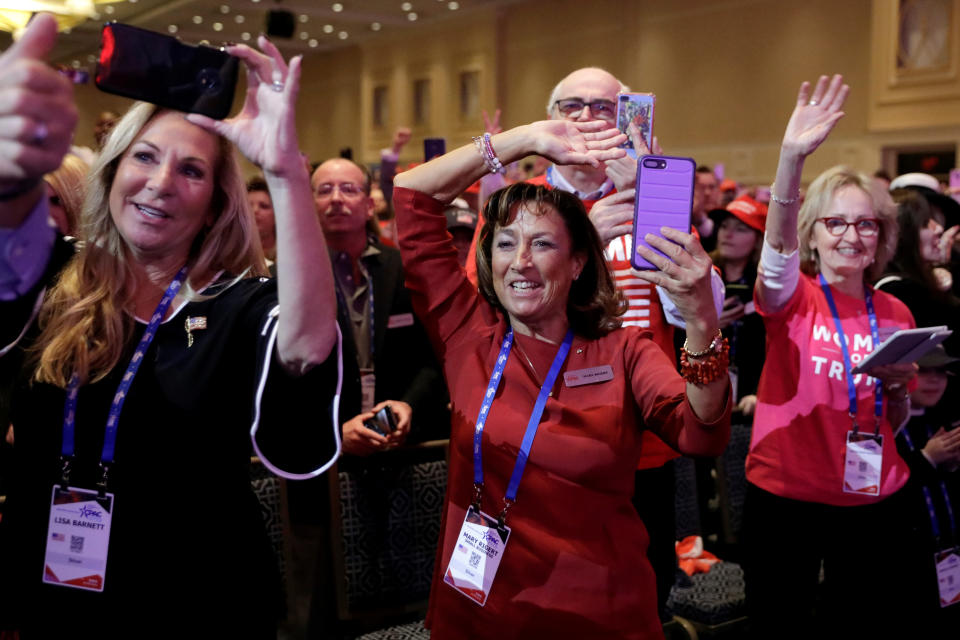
(389, 159)
(562, 141)
(265, 131)
(812, 120)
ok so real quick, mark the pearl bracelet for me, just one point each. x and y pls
(783, 201)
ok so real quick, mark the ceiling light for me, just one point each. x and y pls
(108, 9)
(197, 19)
(303, 17)
(239, 18)
(337, 7)
(343, 35)
(406, 6)
(172, 28)
(14, 16)
(375, 26)
(313, 42)
(304, 35)
(328, 28)
(224, 9)
(218, 26)
(453, 6)
(412, 16)
(245, 36)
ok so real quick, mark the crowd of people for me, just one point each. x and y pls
(150, 286)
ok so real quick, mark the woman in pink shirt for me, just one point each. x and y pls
(822, 465)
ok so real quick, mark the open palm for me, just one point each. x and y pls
(815, 114)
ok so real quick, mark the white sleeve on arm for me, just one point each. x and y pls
(717, 289)
(25, 252)
(778, 275)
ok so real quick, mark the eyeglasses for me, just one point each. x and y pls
(573, 107)
(865, 227)
(347, 190)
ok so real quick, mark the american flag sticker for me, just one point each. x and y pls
(195, 323)
(58, 537)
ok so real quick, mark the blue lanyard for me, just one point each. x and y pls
(934, 524)
(532, 424)
(70, 404)
(875, 334)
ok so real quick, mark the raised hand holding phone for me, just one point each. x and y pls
(265, 128)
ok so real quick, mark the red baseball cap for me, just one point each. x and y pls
(749, 212)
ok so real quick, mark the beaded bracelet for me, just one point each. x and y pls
(490, 159)
(783, 201)
(711, 368)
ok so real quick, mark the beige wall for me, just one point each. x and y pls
(725, 73)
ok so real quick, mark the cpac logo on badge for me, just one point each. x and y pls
(90, 512)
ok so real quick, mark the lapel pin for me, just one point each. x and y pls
(194, 324)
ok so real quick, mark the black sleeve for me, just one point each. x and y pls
(295, 431)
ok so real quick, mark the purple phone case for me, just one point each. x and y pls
(664, 199)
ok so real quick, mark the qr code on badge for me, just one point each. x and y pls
(474, 559)
(76, 544)
(863, 467)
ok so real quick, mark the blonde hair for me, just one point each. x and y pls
(69, 183)
(85, 321)
(815, 205)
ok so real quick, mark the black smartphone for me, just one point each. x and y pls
(433, 147)
(383, 422)
(742, 291)
(153, 67)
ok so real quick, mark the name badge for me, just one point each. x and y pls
(476, 557)
(948, 577)
(368, 390)
(400, 320)
(589, 375)
(77, 538)
(862, 464)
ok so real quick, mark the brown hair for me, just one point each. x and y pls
(84, 320)
(594, 305)
(815, 205)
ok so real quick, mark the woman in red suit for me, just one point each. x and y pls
(550, 396)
